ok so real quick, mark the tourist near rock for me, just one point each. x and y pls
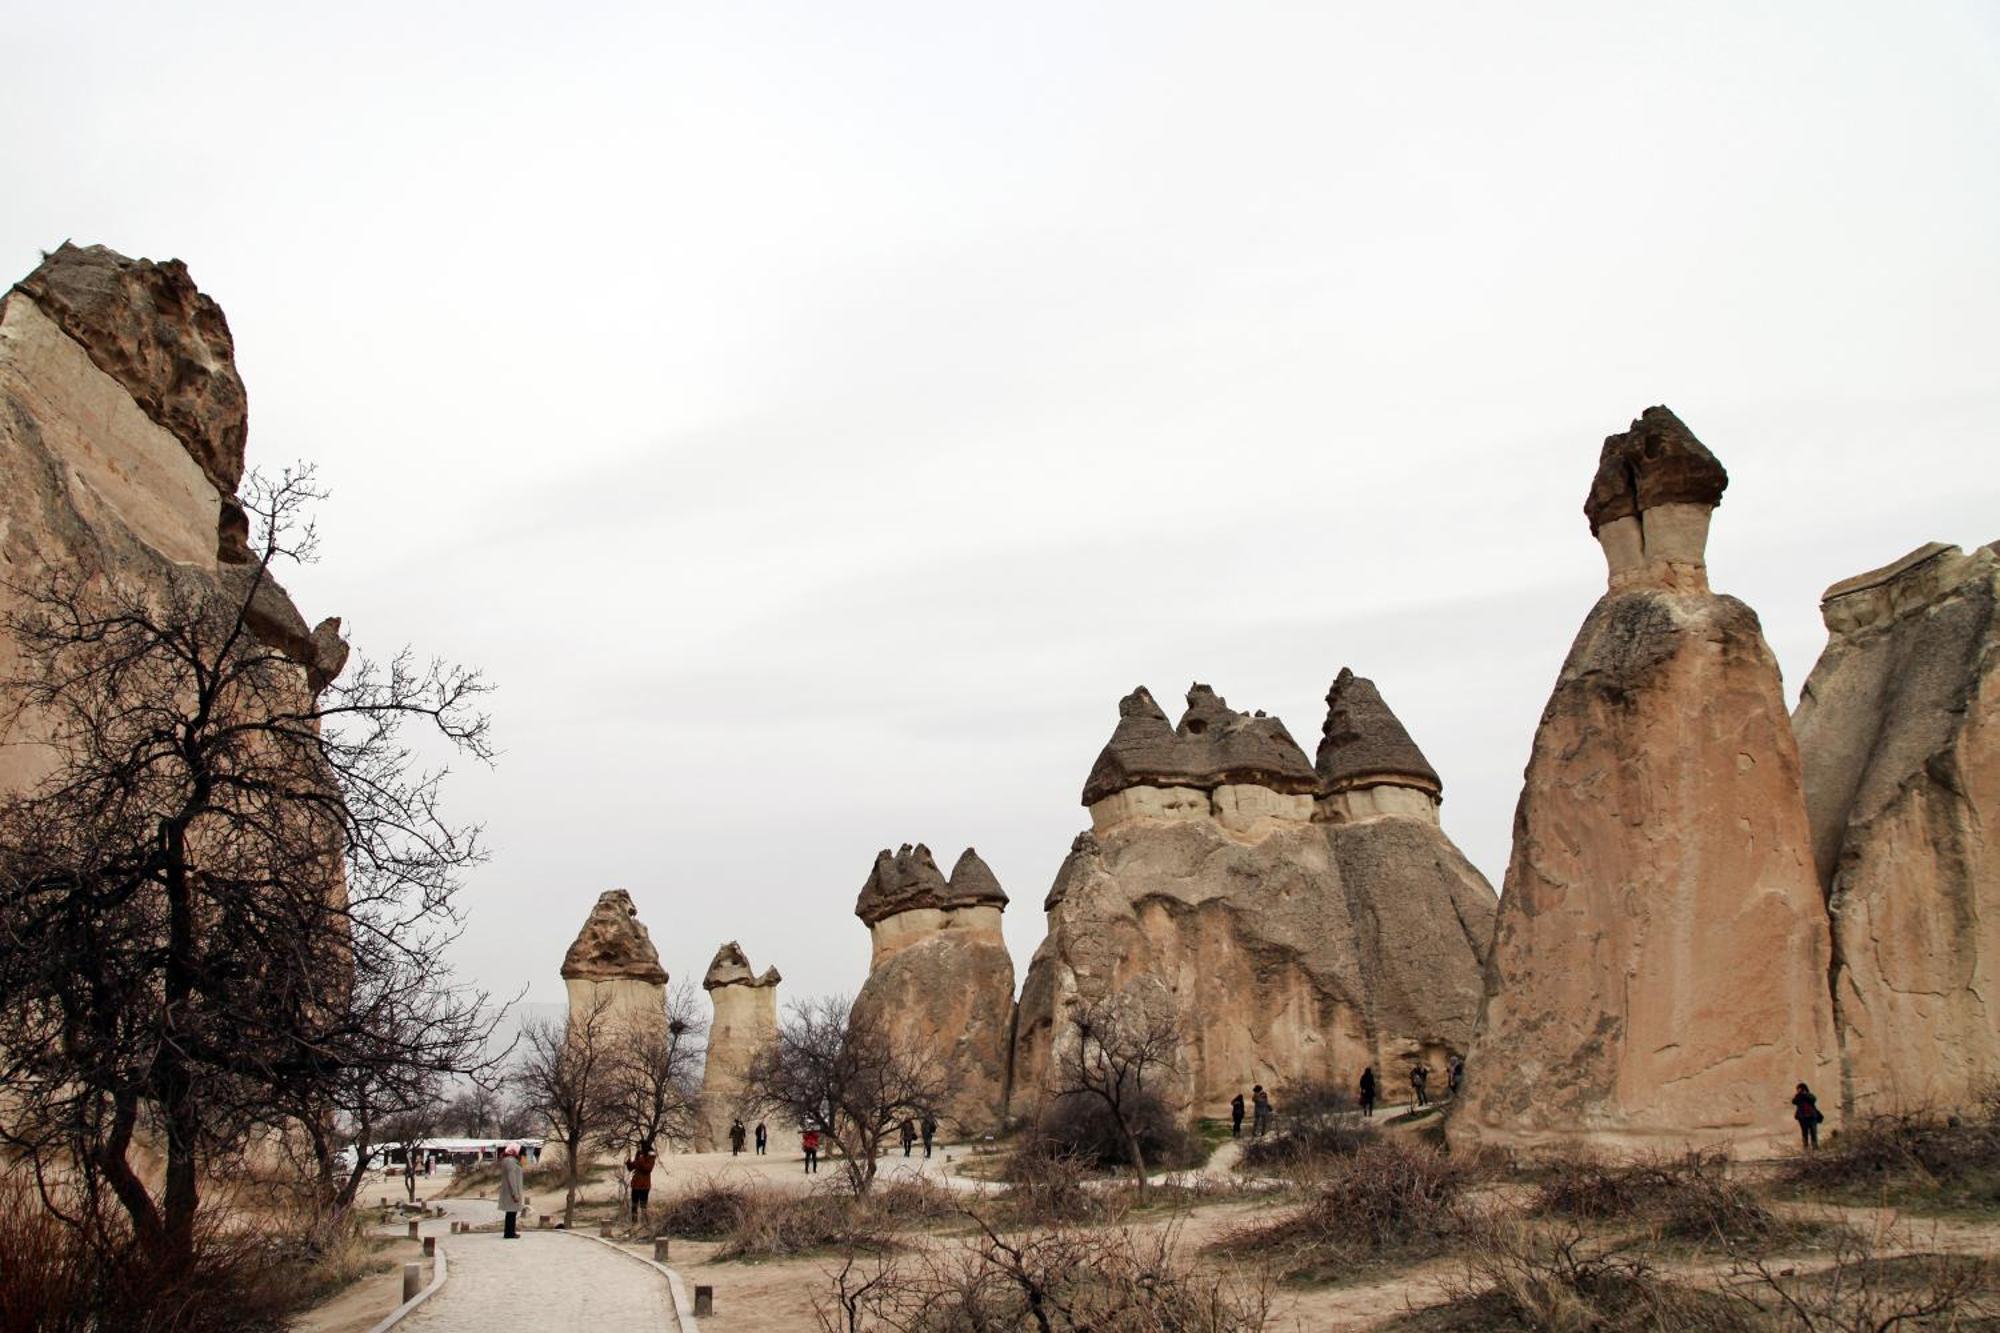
(613, 962)
(1899, 734)
(1423, 914)
(1658, 975)
(122, 430)
(941, 980)
(745, 1020)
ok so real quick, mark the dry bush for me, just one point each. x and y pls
(770, 1225)
(1052, 1187)
(1317, 1123)
(1864, 1293)
(1689, 1197)
(914, 1201)
(1054, 1280)
(1516, 1279)
(1084, 1127)
(1389, 1200)
(1917, 1158)
(709, 1211)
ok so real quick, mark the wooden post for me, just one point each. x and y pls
(704, 1300)
(545, 1221)
(413, 1229)
(430, 1247)
(413, 1281)
(659, 1249)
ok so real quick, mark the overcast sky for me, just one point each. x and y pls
(815, 416)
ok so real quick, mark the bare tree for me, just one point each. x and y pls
(654, 1076)
(232, 889)
(1114, 1044)
(565, 1075)
(474, 1111)
(840, 1074)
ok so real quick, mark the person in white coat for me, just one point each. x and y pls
(510, 1188)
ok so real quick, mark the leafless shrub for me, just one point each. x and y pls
(1922, 1157)
(709, 1211)
(1054, 1280)
(1317, 1123)
(1051, 1187)
(1390, 1199)
(1863, 1292)
(769, 1225)
(1689, 1197)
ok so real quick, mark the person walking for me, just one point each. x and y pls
(810, 1142)
(1805, 1109)
(640, 1164)
(736, 1137)
(1420, 1077)
(510, 1192)
(909, 1134)
(1260, 1112)
(1454, 1075)
(762, 1137)
(1368, 1092)
(930, 1132)
(1236, 1116)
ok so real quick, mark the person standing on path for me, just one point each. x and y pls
(1260, 1111)
(1805, 1109)
(736, 1138)
(1368, 1092)
(1454, 1074)
(810, 1142)
(909, 1134)
(1420, 1076)
(509, 1197)
(930, 1132)
(1236, 1116)
(641, 1167)
(762, 1136)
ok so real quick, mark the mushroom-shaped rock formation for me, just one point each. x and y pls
(941, 979)
(1243, 769)
(1899, 732)
(613, 965)
(742, 1027)
(1658, 970)
(122, 431)
(1367, 761)
(1204, 883)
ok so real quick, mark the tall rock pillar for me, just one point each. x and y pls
(1658, 975)
(744, 1024)
(613, 964)
(1899, 731)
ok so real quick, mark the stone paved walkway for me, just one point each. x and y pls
(543, 1280)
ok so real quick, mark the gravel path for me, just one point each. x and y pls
(543, 1280)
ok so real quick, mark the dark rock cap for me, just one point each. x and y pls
(613, 945)
(1363, 739)
(1213, 745)
(973, 884)
(147, 326)
(909, 879)
(1658, 461)
(731, 967)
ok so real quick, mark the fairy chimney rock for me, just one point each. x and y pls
(1650, 502)
(742, 1027)
(1368, 766)
(1899, 733)
(940, 978)
(1658, 972)
(1241, 770)
(613, 962)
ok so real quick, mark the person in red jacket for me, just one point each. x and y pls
(810, 1142)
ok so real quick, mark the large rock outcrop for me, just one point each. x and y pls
(741, 1028)
(1658, 971)
(612, 963)
(122, 430)
(1899, 733)
(940, 979)
(1207, 887)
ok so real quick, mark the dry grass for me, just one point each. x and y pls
(1926, 1160)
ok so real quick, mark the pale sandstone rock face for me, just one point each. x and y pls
(1658, 972)
(742, 1027)
(613, 961)
(941, 980)
(1286, 949)
(122, 429)
(1899, 733)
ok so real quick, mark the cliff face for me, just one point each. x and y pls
(941, 980)
(1299, 927)
(1658, 972)
(122, 430)
(742, 1027)
(1899, 733)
